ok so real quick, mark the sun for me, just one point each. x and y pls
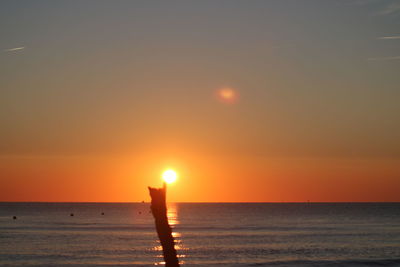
(169, 176)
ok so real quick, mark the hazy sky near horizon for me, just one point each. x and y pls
(97, 97)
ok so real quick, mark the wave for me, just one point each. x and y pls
(118, 227)
(288, 263)
(329, 263)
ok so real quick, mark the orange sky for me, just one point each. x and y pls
(204, 179)
(246, 100)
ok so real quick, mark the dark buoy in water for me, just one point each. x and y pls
(71, 214)
(140, 212)
(14, 217)
(102, 213)
(142, 201)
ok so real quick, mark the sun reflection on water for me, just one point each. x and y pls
(172, 214)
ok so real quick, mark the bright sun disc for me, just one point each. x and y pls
(169, 176)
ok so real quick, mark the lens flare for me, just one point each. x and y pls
(227, 95)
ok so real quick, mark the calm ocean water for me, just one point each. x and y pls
(236, 234)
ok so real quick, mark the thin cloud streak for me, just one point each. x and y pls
(383, 58)
(389, 37)
(14, 49)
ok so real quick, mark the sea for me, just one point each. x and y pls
(206, 234)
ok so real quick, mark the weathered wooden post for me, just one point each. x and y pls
(159, 210)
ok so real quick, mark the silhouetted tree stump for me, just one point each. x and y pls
(159, 210)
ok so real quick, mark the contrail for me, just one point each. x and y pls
(383, 58)
(14, 49)
(389, 37)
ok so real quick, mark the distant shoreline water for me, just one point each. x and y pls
(207, 234)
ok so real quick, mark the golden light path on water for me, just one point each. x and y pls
(173, 220)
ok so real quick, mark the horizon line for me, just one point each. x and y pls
(198, 202)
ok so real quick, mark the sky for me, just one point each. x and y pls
(97, 98)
